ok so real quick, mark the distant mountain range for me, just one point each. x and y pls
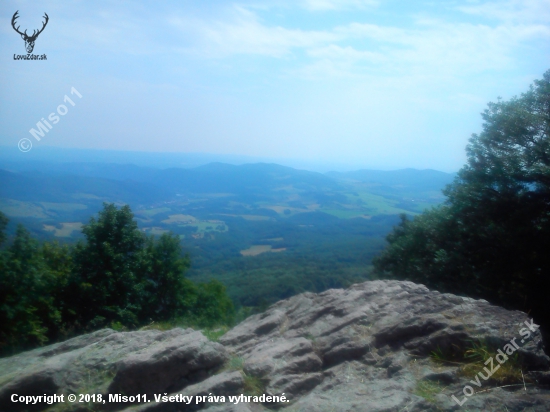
(131, 183)
(266, 231)
(13, 159)
(44, 193)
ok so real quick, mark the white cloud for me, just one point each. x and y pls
(517, 11)
(347, 53)
(323, 5)
(245, 34)
(452, 47)
(426, 46)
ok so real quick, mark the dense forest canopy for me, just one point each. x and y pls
(491, 238)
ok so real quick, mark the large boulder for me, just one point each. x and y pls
(377, 346)
(108, 362)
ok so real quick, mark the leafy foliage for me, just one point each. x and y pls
(164, 290)
(107, 277)
(492, 236)
(3, 224)
(119, 278)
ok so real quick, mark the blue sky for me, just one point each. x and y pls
(377, 84)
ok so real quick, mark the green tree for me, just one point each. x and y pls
(123, 277)
(118, 277)
(3, 224)
(169, 295)
(106, 286)
(27, 309)
(165, 290)
(491, 238)
(58, 267)
(212, 306)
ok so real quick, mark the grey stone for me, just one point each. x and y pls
(142, 362)
(169, 364)
(374, 341)
(366, 348)
(223, 384)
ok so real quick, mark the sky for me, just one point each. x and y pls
(377, 84)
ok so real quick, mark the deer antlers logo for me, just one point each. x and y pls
(29, 40)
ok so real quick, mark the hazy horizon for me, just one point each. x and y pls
(315, 84)
(164, 160)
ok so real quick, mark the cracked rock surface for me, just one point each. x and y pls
(366, 348)
(370, 345)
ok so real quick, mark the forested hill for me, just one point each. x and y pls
(266, 231)
(82, 183)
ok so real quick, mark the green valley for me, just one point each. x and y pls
(266, 231)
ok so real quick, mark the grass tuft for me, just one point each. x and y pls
(471, 361)
(214, 334)
(508, 372)
(236, 363)
(253, 386)
(427, 389)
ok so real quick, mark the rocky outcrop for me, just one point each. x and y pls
(108, 362)
(377, 346)
(368, 348)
